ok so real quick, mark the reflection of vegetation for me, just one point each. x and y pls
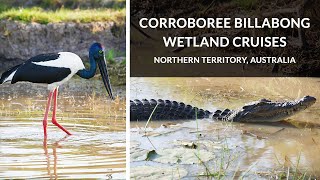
(93, 103)
(64, 15)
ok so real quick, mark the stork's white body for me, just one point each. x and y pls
(65, 60)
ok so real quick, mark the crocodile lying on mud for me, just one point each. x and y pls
(258, 111)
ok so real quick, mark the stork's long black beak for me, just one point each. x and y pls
(105, 76)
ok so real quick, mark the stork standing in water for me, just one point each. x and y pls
(54, 69)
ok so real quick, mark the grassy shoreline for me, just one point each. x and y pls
(39, 15)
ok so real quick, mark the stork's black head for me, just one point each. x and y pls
(97, 51)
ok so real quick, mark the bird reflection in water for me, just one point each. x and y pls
(55, 157)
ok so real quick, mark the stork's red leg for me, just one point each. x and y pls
(54, 120)
(45, 119)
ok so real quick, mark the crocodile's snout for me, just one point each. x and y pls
(307, 101)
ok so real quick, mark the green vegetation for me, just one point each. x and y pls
(117, 73)
(3, 7)
(42, 16)
(70, 4)
(112, 54)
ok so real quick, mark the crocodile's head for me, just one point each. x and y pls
(268, 111)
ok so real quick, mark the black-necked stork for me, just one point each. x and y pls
(54, 69)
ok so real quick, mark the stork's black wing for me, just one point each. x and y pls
(31, 72)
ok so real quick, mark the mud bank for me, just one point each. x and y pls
(20, 41)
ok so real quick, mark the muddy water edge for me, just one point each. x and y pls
(222, 149)
(95, 150)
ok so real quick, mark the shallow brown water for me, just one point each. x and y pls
(95, 150)
(259, 150)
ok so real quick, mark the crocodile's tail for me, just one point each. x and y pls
(166, 110)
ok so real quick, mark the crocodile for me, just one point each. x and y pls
(259, 111)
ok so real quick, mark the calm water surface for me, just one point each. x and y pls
(259, 148)
(95, 150)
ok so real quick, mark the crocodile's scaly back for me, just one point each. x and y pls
(221, 115)
(166, 110)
